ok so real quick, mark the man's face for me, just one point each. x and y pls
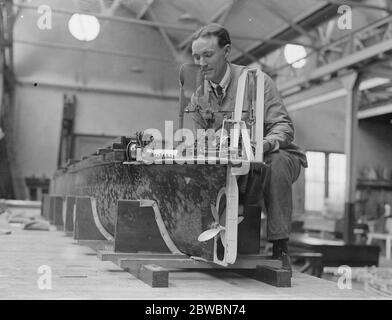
(207, 53)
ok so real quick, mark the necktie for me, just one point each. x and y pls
(219, 91)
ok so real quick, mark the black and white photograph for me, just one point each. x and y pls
(196, 157)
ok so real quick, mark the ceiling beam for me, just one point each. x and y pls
(347, 62)
(148, 23)
(114, 18)
(85, 49)
(99, 89)
(145, 8)
(359, 5)
(313, 17)
(163, 33)
(295, 26)
(223, 10)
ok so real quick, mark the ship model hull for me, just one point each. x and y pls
(183, 193)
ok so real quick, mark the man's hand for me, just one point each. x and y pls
(266, 147)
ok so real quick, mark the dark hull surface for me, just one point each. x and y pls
(183, 193)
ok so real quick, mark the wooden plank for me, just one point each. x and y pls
(115, 256)
(243, 263)
(136, 229)
(97, 244)
(116, 155)
(273, 276)
(85, 227)
(153, 275)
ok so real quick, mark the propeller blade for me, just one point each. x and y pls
(208, 234)
(214, 213)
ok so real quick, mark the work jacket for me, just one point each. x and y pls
(278, 127)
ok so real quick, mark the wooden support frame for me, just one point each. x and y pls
(87, 225)
(45, 206)
(56, 210)
(68, 214)
(139, 227)
(156, 267)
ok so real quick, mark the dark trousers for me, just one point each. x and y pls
(271, 189)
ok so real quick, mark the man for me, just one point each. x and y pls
(210, 49)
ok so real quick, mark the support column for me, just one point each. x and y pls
(351, 84)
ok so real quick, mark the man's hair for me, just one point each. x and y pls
(216, 30)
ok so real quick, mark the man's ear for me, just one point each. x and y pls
(227, 50)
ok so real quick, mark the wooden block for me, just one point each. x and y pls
(136, 229)
(103, 150)
(69, 214)
(115, 256)
(153, 275)
(273, 276)
(45, 206)
(56, 210)
(116, 155)
(97, 244)
(85, 227)
(58, 214)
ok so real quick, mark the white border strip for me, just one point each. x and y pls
(98, 223)
(161, 225)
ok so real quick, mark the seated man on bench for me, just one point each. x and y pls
(210, 49)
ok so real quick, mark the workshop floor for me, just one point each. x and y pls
(76, 273)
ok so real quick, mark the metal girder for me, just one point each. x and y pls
(352, 53)
(163, 32)
(295, 26)
(145, 9)
(85, 49)
(224, 10)
(359, 5)
(324, 13)
(148, 23)
(347, 62)
(114, 18)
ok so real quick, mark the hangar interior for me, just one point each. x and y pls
(78, 74)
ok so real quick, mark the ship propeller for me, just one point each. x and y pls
(218, 226)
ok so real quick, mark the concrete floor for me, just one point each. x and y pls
(78, 274)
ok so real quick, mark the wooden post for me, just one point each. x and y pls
(351, 84)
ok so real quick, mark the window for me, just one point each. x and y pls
(325, 181)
